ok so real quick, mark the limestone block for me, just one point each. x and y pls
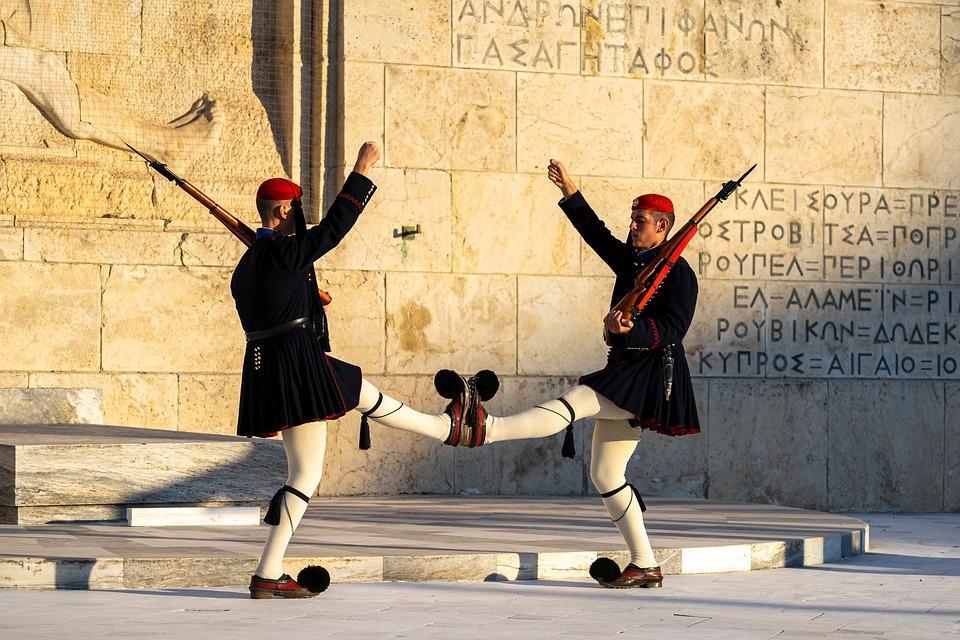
(397, 462)
(903, 53)
(666, 466)
(403, 198)
(362, 109)
(405, 31)
(357, 316)
(217, 249)
(168, 319)
(711, 132)
(474, 567)
(10, 379)
(450, 119)
(886, 444)
(818, 136)
(507, 223)
(217, 29)
(611, 199)
(756, 41)
(593, 124)
(79, 26)
(768, 442)
(536, 466)
(208, 403)
(435, 321)
(555, 313)
(763, 231)
(729, 318)
(24, 131)
(132, 400)
(11, 244)
(57, 186)
(876, 235)
(100, 246)
(516, 36)
(950, 50)
(951, 467)
(819, 330)
(51, 406)
(917, 135)
(51, 318)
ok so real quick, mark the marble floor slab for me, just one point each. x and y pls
(419, 538)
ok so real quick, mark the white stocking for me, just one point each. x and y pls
(552, 417)
(304, 446)
(396, 415)
(614, 441)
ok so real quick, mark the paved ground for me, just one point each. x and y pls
(908, 587)
(428, 538)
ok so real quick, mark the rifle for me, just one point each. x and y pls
(652, 276)
(245, 234)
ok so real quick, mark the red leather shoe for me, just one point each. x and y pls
(282, 587)
(633, 577)
(451, 386)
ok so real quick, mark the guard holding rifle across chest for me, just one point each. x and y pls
(646, 381)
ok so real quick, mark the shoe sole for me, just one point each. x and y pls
(269, 594)
(645, 585)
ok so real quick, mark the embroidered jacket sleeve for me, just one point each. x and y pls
(669, 323)
(340, 218)
(591, 228)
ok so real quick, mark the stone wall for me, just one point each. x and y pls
(825, 343)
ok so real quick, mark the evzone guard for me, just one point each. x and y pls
(289, 384)
(645, 384)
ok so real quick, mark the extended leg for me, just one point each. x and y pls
(392, 413)
(614, 442)
(553, 416)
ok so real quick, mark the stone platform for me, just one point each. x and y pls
(429, 538)
(77, 472)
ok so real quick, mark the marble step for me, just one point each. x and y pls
(58, 473)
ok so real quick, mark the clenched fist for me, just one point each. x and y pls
(367, 157)
(558, 175)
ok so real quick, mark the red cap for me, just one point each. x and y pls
(654, 202)
(279, 189)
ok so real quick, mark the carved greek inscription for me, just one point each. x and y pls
(606, 37)
(833, 282)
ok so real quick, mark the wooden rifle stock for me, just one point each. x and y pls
(237, 227)
(653, 275)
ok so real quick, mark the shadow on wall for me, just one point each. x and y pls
(271, 73)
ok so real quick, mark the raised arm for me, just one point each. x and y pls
(585, 220)
(342, 214)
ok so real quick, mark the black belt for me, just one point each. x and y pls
(275, 331)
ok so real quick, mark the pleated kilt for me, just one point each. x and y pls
(636, 384)
(288, 380)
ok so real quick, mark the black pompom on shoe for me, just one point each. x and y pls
(448, 384)
(314, 579)
(604, 570)
(487, 384)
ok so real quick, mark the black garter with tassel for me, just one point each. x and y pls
(569, 450)
(273, 511)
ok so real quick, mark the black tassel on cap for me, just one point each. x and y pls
(273, 511)
(569, 450)
(364, 433)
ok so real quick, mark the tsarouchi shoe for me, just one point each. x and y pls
(451, 386)
(634, 577)
(480, 388)
(282, 587)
